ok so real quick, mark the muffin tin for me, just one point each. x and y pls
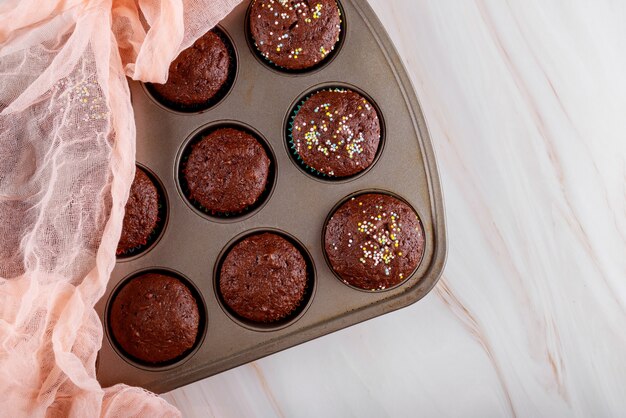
(297, 204)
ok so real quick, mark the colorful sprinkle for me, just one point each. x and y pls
(344, 139)
(318, 11)
(381, 242)
(297, 12)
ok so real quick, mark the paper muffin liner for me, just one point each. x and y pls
(318, 65)
(299, 308)
(234, 214)
(221, 93)
(155, 234)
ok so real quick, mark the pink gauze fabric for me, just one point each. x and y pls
(67, 159)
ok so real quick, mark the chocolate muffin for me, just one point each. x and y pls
(141, 213)
(295, 34)
(336, 133)
(155, 318)
(226, 171)
(198, 74)
(374, 241)
(263, 278)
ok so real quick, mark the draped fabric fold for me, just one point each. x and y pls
(67, 159)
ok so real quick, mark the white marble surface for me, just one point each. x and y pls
(526, 102)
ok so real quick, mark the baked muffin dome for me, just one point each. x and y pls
(141, 213)
(336, 133)
(293, 34)
(155, 318)
(227, 171)
(374, 241)
(263, 278)
(198, 74)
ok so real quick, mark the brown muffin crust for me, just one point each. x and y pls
(226, 171)
(295, 34)
(198, 73)
(263, 278)
(374, 241)
(155, 318)
(141, 213)
(337, 133)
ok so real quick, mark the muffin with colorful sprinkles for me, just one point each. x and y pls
(335, 133)
(295, 34)
(374, 241)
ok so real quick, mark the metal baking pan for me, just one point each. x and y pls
(298, 204)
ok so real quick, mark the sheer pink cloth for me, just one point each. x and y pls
(67, 158)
